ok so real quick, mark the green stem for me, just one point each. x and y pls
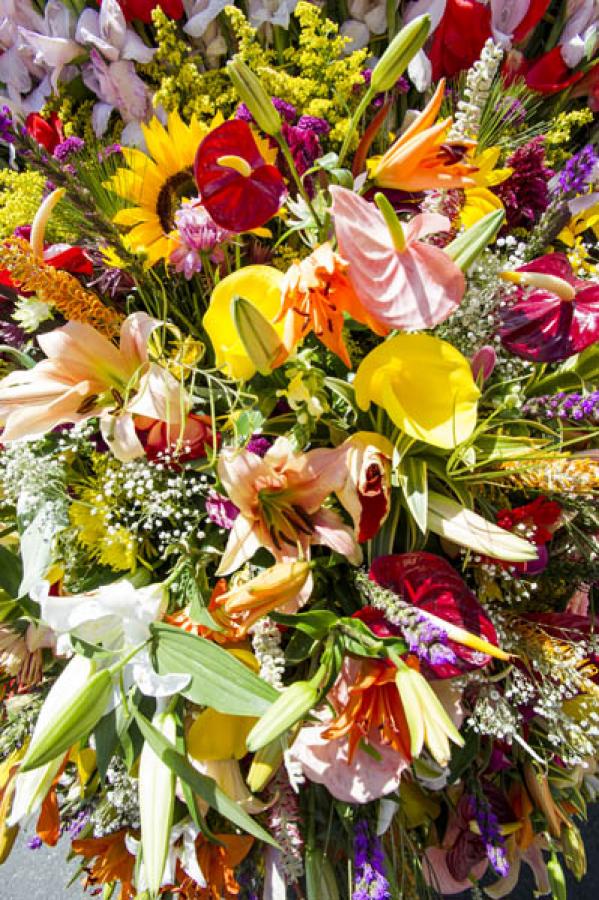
(360, 110)
(289, 160)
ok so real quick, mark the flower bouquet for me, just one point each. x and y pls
(298, 467)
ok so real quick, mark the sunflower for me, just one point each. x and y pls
(155, 183)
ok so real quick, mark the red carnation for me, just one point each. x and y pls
(47, 132)
(240, 190)
(541, 517)
(160, 438)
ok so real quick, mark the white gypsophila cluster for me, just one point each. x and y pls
(30, 477)
(120, 805)
(147, 497)
(476, 93)
(266, 644)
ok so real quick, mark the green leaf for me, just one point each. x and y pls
(574, 374)
(204, 787)
(106, 737)
(11, 572)
(469, 245)
(413, 480)
(316, 624)
(218, 679)
(462, 757)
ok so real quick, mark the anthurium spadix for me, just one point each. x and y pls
(461, 526)
(156, 804)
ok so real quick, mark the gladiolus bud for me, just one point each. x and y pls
(290, 706)
(156, 804)
(74, 705)
(265, 765)
(321, 883)
(465, 249)
(251, 91)
(398, 54)
(260, 340)
(428, 723)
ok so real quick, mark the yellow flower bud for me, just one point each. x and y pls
(265, 765)
(260, 340)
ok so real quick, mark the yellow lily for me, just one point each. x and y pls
(479, 200)
(424, 384)
(428, 723)
(260, 286)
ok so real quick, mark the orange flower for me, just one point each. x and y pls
(422, 158)
(113, 862)
(316, 292)
(182, 619)
(217, 864)
(373, 711)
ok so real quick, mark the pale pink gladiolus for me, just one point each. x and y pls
(412, 288)
(85, 376)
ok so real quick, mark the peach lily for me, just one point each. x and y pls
(85, 376)
(401, 281)
(280, 500)
(422, 158)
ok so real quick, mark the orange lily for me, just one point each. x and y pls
(422, 158)
(113, 862)
(373, 711)
(217, 863)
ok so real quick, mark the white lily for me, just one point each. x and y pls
(182, 847)
(461, 526)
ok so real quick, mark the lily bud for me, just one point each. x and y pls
(290, 706)
(75, 704)
(251, 91)
(574, 852)
(265, 765)
(399, 53)
(156, 788)
(321, 883)
(557, 879)
(428, 723)
(260, 340)
(465, 249)
(271, 589)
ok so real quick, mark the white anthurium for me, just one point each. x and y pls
(116, 617)
(108, 32)
(182, 848)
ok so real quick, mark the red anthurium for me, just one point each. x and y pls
(240, 190)
(68, 259)
(47, 132)
(141, 10)
(430, 583)
(161, 438)
(557, 318)
(459, 37)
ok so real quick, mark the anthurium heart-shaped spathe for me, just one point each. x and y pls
(550, 323)
(430, 583)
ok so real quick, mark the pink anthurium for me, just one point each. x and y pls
(431, 584)
(557, 318)
(401, 281)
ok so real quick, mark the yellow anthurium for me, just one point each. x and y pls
(261, 286)
(424, 384)
(479, 200)
(216, 735)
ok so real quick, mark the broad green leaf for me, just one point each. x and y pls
(413, 480)
(316, 623)
(204, 787)
(11, 572)
(218, 679)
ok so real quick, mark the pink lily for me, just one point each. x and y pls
(400, 281)
(86, 376)
(280, 499)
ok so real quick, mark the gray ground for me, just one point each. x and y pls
(42, 874)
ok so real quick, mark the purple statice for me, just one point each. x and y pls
(570, 407)
(304, 145)
(34, 843)
(314, 123)
(220, 510)
(243, 113)
(370, 880)
(287, 110)
(258, 444)
(491, 837)
(577, 174)
(110, 150)
(525, 194)
(427, 640)
(6, 126)
(199, 238)
(67, 148)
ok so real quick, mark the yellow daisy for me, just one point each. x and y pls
(155, 183)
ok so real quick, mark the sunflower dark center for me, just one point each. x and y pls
(171, 193)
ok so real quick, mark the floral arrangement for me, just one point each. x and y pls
(299, 463)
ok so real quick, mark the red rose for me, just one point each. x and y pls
(159, 438)
(459, 37)
(47, 132)
(541, 517)
(141, 10)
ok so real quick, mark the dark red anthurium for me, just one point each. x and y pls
(159, 438)
(240, 190)
(47, 132)
(557, 318)
(430, 583)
